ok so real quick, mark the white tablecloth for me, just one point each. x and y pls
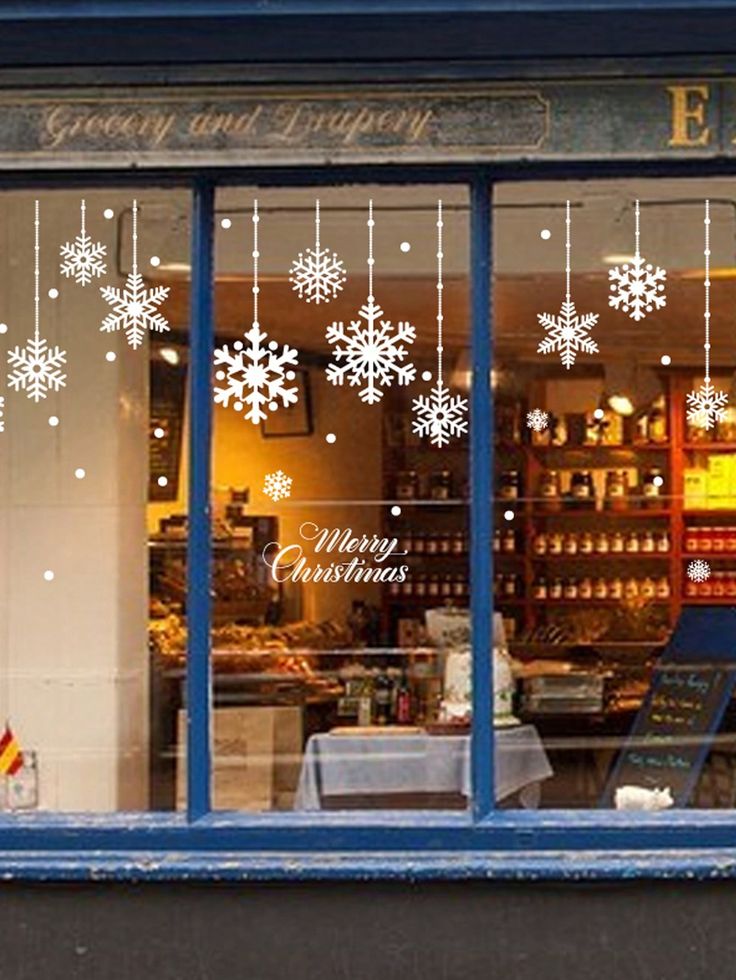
(342, 765)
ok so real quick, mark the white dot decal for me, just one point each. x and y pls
(330, 437)
(545, 233)
(598, 414)
(226, 223)
(658, 481)
(53, 421)
(111, 355)
(155, 260)
(426, 375)
(508, 515)
(162, 481)
(395, 511)
(665, 360)
(159, 432)
(3, 328)
(405, 246)
(108, 213)
(80, 473)
(48, 575)
(53, 293)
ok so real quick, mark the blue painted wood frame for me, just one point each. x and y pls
(545, 843)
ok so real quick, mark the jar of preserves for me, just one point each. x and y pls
(618, 543)
(730, 585)
(407, 485)
(658, 421)
(631, 588)
(570, 546)
(616, 588)
(585, 588)
(431, 545)
(440, 485)
(692, 539)
(586, 543)
(446, 544)
(719, 585)
(705, 539)
(550, 491)
(647, 543)
(602, 544)
(570, 589)
(616, 490)
(582, 490)
(539, 545)
(433, 586)
(663, 543)
(648, 588)
(420, 586)
(539, 589)
(458, 543)
(651, 488)
(509, 487)
(556, 588)
(554, 543)
(719, 539)
(508, 542)
(632, 543)
(663, 587)
(496, 541)
(600, 589)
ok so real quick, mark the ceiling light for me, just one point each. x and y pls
(170, 355)
(618, 258)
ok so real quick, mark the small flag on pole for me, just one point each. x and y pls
(11, 757)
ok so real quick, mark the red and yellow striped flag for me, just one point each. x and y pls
(11, 757)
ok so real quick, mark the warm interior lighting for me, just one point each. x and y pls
(170, 355)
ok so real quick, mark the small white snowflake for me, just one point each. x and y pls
(317, 275)
(37, 368)
(371, 354)
(698, 570)
(568, 333)
(637, 288)
(537, 420)
(83, 259)
(706, 406)
(2, 421)
(277, 485)
(255, 375)
(134, 309)
(440, 415)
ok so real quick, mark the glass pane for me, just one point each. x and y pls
(90, 460)
(340, 598)
(615, 571)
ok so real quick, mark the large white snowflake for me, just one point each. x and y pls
(277, 485)
(371, 354)
(706, 406)
(37, 368)
(637, 287)
(440, 415)
(255, 375)
(537, 420)
(568, 333)
(134, 309)
(83, 259)
(317, 275)
(698, 570)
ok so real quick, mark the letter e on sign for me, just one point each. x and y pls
(688, 115)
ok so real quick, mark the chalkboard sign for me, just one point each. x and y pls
(684, 707)
(168, 391)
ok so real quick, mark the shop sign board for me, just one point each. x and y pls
(430, 124)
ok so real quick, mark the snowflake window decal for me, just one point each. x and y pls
(698, 570)
(134, 307)
(706, 405)
(37, 367)
(277, 485)
(537, 420)
(637, 287)
(370, 354)
(83, 258)
(317, 275)
(568, 333)
(440, 415)
(255, 374)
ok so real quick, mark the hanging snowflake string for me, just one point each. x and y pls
(706, 405)
(568, 332)
(134, 307)
(2, 412)
(317, 275)
(255, 374)
(440, 415)
(37, 367)
(370, 355)
(637, 287)
(277, 485)
(83, 257)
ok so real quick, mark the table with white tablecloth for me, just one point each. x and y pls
(373, 765)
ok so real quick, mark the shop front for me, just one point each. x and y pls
(367, 500)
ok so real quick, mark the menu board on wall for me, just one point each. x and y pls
(168, 397)
(683, 710)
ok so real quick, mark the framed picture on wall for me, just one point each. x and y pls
(292, 420)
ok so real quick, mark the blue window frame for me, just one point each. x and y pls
(482, 841)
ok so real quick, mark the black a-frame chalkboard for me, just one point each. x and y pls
(683, 710)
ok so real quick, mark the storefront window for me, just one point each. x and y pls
(615, 524)
(340, 525)
(90, 460)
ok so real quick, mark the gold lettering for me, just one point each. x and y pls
(688, 115)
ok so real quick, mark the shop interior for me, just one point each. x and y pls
(335, 691)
